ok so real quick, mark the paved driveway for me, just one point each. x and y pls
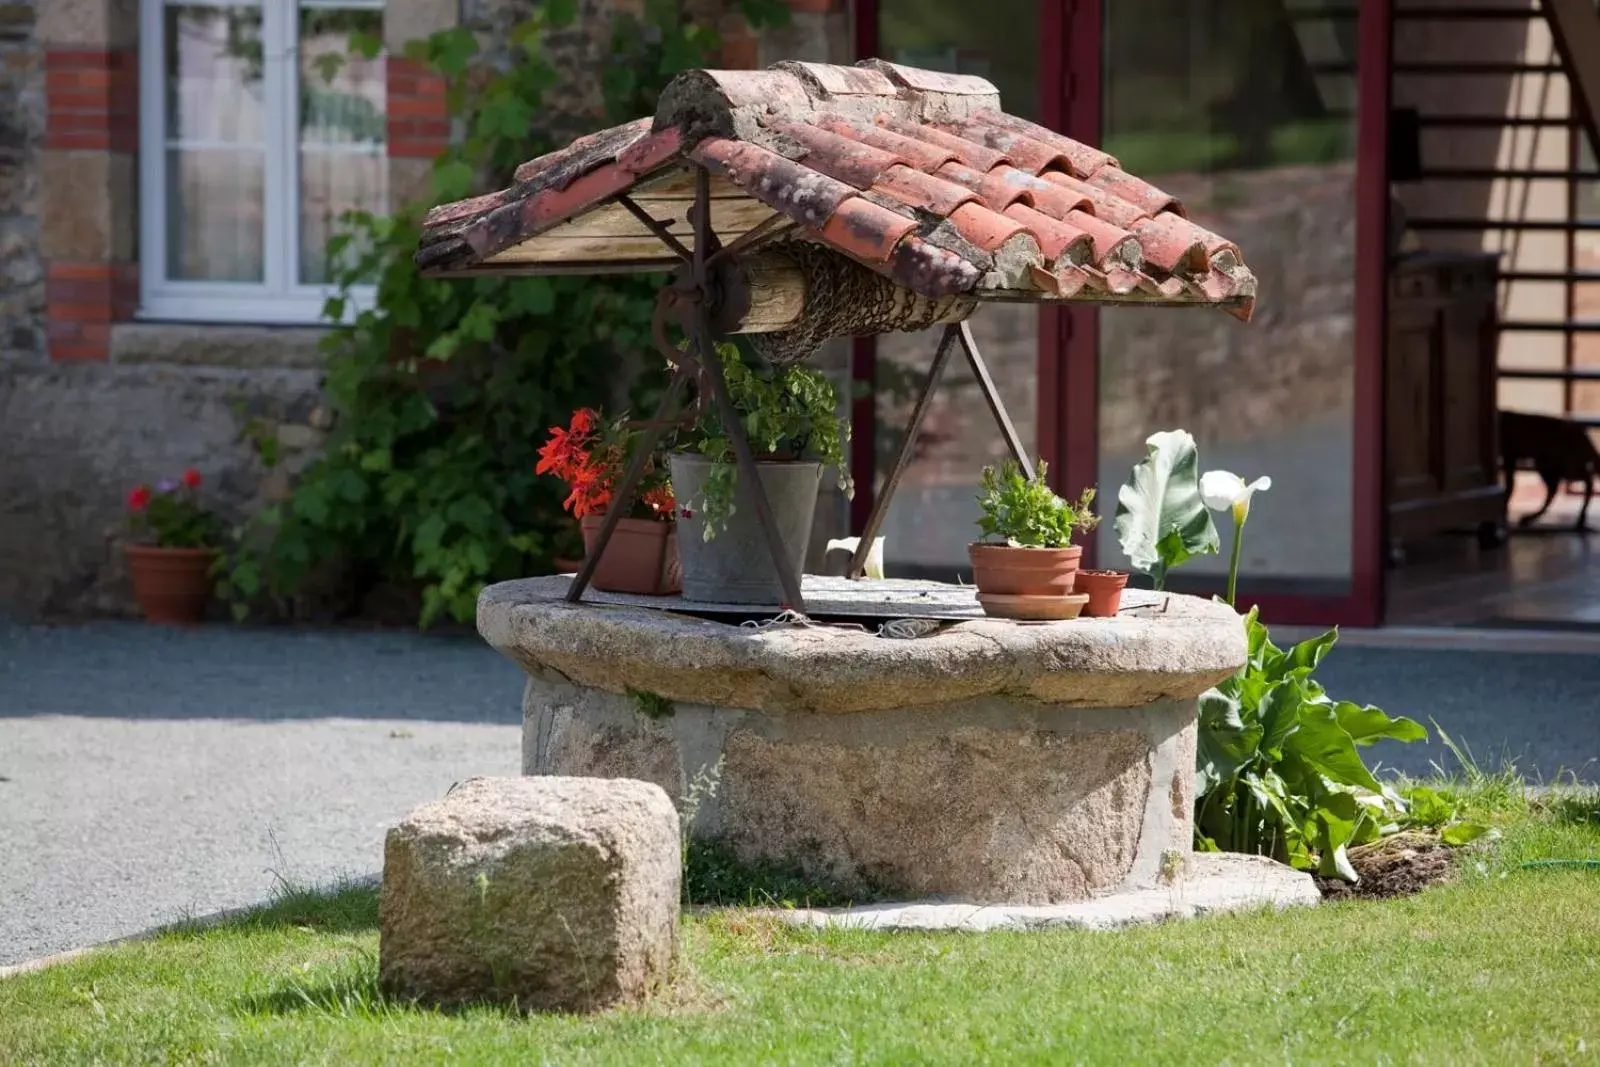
(146, 773)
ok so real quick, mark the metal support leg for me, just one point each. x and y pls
(908, 447)
(623, 496)
(749, 473)
(997, 408)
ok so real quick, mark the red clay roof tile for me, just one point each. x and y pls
(840, 157)
(865, 230)
(916, 174)
(969, 153)
(920, 154)
(924, 192)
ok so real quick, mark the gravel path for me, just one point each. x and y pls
(146, 774)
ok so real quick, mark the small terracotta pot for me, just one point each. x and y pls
(641, 557)
(172, 585)
(1105, 592)
(1012, 571)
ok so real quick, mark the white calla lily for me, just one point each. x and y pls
(1226, 491)
(874, 564)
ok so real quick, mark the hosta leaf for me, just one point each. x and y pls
(1161, 520)
(1366, 724)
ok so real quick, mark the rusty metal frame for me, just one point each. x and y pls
(695, 292)
(957, 333)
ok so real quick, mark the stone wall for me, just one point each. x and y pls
(93, 401)
(22, 300)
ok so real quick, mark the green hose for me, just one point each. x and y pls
(1590, 865)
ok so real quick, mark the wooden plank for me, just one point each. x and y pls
(610, 232)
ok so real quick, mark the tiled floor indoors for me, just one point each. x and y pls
(1545, 578)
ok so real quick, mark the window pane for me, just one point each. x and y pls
(214, 125)
(342, 161)
(1244, 110)
(934, 514)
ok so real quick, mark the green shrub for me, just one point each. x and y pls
(444, 387)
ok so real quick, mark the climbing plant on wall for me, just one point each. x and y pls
(443, 387)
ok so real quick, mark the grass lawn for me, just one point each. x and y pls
(1501, 967)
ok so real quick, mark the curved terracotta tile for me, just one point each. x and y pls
(932, 271)
(1024, 152)
(834, 80)
(1124, 186)
(969, 153)
(651, 151)
(1054, 200)
(989, 230)
(445, 214)
(1085, 160)
(1057, 239)
(805, 195)
(1116, 211)
(923, 191)
(865, 230)
(1171, 244)
(1111, 243)
(587, 152)
(549, 206)
(933, 81)
(839, 157)
(919, 154)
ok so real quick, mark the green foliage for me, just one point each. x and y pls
(1161, 520)
(789, 412)
(715, 875)
(1280, 773)
(442, 386)
(172, 515)
(1026, 512)
(651, 705)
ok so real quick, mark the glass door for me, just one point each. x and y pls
(1246, 111)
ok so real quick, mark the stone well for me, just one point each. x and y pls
(990, 762)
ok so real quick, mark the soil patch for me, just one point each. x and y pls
(1395, 866)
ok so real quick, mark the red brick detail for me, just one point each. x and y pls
(83, 300)
(416, 108)
(92, 100)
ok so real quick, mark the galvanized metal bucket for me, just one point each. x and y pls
(735, 566)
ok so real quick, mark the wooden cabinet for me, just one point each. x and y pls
(1441, 453)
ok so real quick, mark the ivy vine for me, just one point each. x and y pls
(443, 389)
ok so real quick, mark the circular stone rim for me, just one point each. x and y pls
(1128, 661)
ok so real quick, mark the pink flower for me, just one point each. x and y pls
(139, 498)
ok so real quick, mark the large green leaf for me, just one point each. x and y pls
(1280, 716)
(1161, 520)
(1325, 745)
(1336, 820)
(1366, 724)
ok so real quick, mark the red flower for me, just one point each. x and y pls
(139, 498)
(191, 478)
(583, 420)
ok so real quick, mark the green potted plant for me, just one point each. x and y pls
(590, 454)
(1026, 565)
(791, 415)
(172, 576)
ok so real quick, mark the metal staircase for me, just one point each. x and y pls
(1507, 96)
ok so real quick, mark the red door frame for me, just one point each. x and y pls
(1071, 80)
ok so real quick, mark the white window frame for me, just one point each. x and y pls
(278, 299)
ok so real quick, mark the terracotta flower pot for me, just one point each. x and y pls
(641, 557)
(172, 585)
(1105, 592)
(1012, 571)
